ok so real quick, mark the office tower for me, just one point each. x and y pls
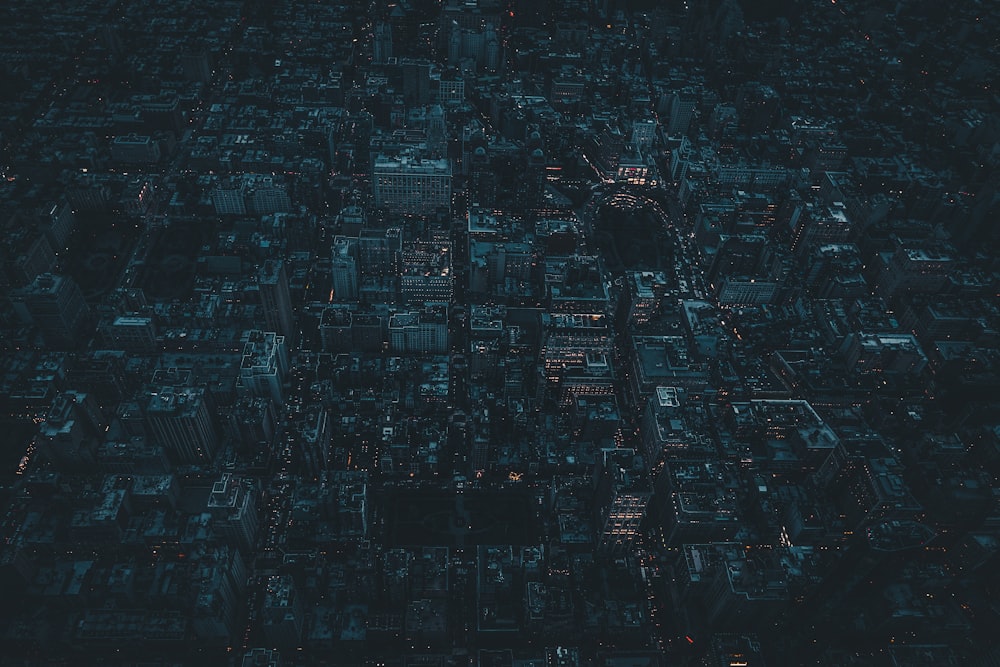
(344, 269)
(646, 291)
(500, 267)
(577, 285)
(423, 332)
(266, 196)
(276, 299)
(69, 435)
(56, 221)
(747, 270)
(533, 178)
(282, 612)
(426, 272)
(263, 366)
(623, 492)
(682, 105)
(483, 179)
(312, 435)
(659, 438)
(251, 422)
(197, 65)
(368, 332)
(378, 252)
(180, 421)
(570, 340)
(492, 50)
(914, 268)
(230, 198)
(135, 149)
(335, 325)
(221, 577)
(821, 225)
(131, 333)
(351, 491)
(605, 149)
(437, 133)
(643, 133)
(410, 185)
(757, 105)
(101, 373)
(234, 511)
(25, 254)
(455, 47)
(382, 43)
(594, 418)
(416, 82)
(163, 112)
(54, 305)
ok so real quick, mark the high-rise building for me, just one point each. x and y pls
(26, 254)
(282, 612)
(643, 133)
(344, 269)
(416, 82)
(56, 221)
(230, 199)
(378, 252)
(646, 292)
(267, 196)
(682, 105)
(131, 333)
(335, 326)
(69, 435)
(276, 299)
(424, 332)
(757, 105)
(179, 419)
(483, 178)
(234, 511)
(382, 43)
(437, 131)
(197, 65)
(135, 149)
(914, 269)
(570, 338)
(533, 178)
(623, 492)
(412, 186)
(54, 304)
(576, 285)
(222, 577)
(426, 272)
(819, 226)
(264, 365)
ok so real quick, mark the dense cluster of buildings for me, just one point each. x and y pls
(500, 333)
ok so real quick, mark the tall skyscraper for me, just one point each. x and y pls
(234, 511)
(69, 435)
(54, 304)
(382, 43)
(179, 419)
(623, 492)
(344, 269)
(276, 299)
(282, 612)
(264, 365)
(682, 105)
